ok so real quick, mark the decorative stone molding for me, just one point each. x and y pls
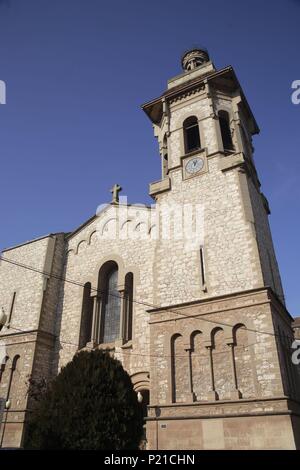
(231, 161)
(159, 187)
(186, 94)
(141, 380)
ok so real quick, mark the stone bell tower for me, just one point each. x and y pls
(204, 128)
(222, 315)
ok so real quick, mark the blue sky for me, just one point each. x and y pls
(77, 72)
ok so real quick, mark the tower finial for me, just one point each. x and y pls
(194, 58)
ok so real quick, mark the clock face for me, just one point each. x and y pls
(194, 165)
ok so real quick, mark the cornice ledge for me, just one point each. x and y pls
(159, 186)
(231, 161)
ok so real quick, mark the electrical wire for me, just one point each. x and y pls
(147, 304)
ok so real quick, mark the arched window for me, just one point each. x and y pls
(14, 362)
(191, 134)
(243, 362)
(222, 368)
(111, 307)
(179, 370)
(200, 367)
(86, 316)
(225, 131)
(128, 307)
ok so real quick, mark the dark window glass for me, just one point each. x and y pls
(111, 308)
(225, 131)
(129, 305)
(165, 157)
(191, 134)
(86, 316)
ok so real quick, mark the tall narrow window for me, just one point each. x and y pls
(128, 306)
(165, 163)
(12, 305)
(226, 131)
(202, 268)
(243, 365)
(191, 134)
(180, 369)
(86, 316)
(110, 322)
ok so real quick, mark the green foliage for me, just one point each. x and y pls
(90, 405)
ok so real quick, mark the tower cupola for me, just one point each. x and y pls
(194, 58)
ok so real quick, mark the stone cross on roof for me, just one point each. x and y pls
(115, 193)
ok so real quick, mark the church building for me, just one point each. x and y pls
(186, 292)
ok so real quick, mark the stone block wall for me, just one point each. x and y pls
(219, 325)
(28, 335)
(220, 359)
(268, 260)
(223, 433)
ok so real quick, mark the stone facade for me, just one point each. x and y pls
(216, 363)
(30, 300)
(203, 327)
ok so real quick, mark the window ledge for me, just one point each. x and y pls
(229, 152)
(110, 346)
(193, 152)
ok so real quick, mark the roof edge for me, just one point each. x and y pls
(31, 241)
